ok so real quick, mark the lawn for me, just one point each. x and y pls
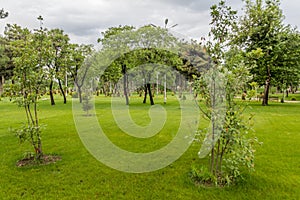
(80, 176)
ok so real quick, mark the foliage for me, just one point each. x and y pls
(146, 52)
(29, 82)
(58, 59)
(253, 91)
(270, 47)
(3, 62)
(228, 140)
(80, 65)
(12, 33)
(125, 48)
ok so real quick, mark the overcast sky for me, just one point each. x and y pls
(84, 20)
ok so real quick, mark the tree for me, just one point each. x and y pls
(29, 82)
(3, 64)
(287, 71)
(262, 35)
(78, 68)
(226, 140)
(109, 37)
(58, 60)
(129, 47)
(12, 33)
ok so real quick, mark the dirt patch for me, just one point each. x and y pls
(45, 160)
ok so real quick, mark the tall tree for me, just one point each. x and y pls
(3, 64)
(109, 37)
(135, 47)
(287, 70)
(260, 34)
(12, 33)
(77, 55)
(59, 60)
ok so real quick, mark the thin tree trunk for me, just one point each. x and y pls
(125, 89)
(267, 88)
(36, 119)
(212, 160)
(266, 93)
(79, 94)
(145, 95)
(213, 93)
(1, 84)
(222, 153)
(217, 157)
(62, 91)
(39, 151)
(125, 83)
(51, 93)
(150, 93)
(30, 114)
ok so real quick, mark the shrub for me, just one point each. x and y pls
(74, 95)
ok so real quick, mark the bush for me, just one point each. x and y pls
(86, 104)
(74, 95)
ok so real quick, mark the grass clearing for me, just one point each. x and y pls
(80, 176)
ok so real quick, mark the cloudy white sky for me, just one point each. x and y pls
(84, 20)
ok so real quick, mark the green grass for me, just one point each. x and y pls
(80, 176)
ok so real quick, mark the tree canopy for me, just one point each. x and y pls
(270, 47)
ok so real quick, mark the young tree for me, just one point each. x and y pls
(227, 140)
(29, 82)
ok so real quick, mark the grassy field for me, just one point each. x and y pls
(80, 176)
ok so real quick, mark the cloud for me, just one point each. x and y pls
(84, 20)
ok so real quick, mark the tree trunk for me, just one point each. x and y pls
(145, 95)
(62, 91)
(79, 94)
(125, 89)
(51, 93)
(217, 158)
(38, 150)
(266, 93)
(287, 93)
(212, 160)
(1, 84)
(150, 93)
(267, 88)
(125, 83)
